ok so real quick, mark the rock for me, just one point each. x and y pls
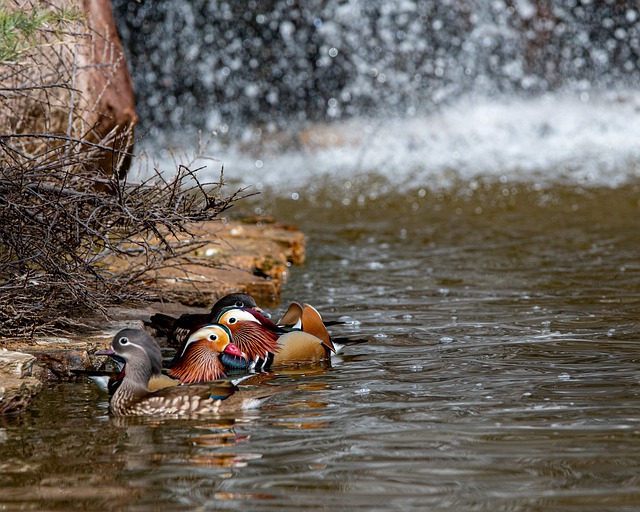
(344, 134)
(105, 82)
(56, 365)
(235, 256)
(17, 387)
(16, 394)
(15, 365)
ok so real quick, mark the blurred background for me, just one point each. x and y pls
(434, 90)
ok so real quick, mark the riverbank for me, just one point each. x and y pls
(250, 255)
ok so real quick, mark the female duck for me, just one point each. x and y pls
(133, 397)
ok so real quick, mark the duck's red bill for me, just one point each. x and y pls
(233, 350)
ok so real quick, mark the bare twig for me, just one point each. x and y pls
(64, 221)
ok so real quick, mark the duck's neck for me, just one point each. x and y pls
(198, 364)
(256, 341)
(134, 386)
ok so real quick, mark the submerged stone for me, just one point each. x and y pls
(17, 386)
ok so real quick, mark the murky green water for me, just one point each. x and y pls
(501, 372)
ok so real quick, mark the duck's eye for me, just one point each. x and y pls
(124, 340)
(213, 337)
(239, 304)
(232, 320)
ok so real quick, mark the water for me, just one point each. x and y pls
(218, 65)
(543, 141)
(370, 97)
(501, 373)
(467, 174)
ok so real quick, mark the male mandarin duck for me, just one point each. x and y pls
(201, 358)
(134, 398)
(266, 343)
(178, 329)
(307, 319)
(255, 335)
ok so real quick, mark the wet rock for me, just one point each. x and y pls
(56, 365)
(17, 386)
(16, 395)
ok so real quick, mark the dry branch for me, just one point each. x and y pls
(60, 234)
(64, 219)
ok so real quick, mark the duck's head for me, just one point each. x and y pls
(136, 349)
(130, 344)
(200, 359)
(235, 300)
(252, 332)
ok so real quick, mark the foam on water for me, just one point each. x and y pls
(584, 139)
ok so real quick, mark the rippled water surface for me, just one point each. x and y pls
(501, 372)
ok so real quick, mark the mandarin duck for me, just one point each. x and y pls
(133, 397)
(109, 382)
(178, 329)
(205, 355)
(265, 343)
(307, 319)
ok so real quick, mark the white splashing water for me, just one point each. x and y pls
(575, 138)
